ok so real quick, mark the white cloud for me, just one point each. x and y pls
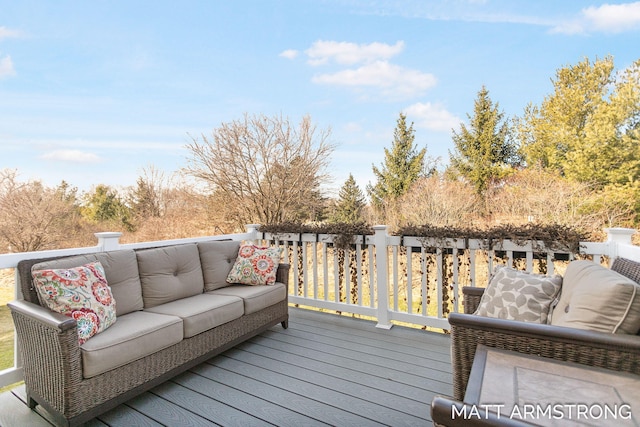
(607, 18)
(6, 33)
(72, 156)
(289, 54)
(614, 17)
(6, 67)
(394, 80)
(432, 116)
(321, 52)
(352, 127)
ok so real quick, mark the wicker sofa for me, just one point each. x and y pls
(610, 351)
(173, 311)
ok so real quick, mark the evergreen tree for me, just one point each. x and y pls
(145, 200)
(588, 130)
(105, 205)
(147, 197)
(350, 203)
(484, 152)
(403, 165)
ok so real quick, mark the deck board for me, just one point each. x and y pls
(324, 370)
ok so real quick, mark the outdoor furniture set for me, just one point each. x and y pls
(97, 329)
(588, 320)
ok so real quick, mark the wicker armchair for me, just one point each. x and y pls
(609, 351)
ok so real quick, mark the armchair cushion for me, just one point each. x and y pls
(518, 295)
(596, 298)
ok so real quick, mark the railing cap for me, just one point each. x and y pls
(619, 234)
(107, 234)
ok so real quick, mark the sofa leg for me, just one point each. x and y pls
(31, 403)
(285, 324)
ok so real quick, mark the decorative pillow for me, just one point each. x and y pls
(255, 265)
(518, 295)
(81, 293)
(598, 299)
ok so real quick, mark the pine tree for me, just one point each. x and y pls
(403, 165)
(484, 152)
(105, 205)
(350, 203)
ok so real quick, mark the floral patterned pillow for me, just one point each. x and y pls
(255, 265)
(81, 293)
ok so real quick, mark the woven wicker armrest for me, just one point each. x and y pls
(50, 350)
(471, 298)
(282, 274)
(609, 351)
(43, 315)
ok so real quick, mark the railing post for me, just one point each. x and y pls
(615, 237)
(252, 231)
(382, 276)
(108, 240)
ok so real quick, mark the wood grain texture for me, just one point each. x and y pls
(324, 370)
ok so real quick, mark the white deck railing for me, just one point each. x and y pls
(416, 280)
(387, 278)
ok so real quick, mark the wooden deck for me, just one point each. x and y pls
(324, 370)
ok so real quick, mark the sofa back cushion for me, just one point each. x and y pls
(596, 298)
(217, 258)
(121, 271)
(169, 273)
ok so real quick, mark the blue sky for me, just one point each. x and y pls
(92, 92)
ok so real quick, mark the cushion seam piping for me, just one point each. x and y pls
(626, 312)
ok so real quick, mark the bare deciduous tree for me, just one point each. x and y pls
(263, 168)
(540, 196)
(35, 217)
(433, 200)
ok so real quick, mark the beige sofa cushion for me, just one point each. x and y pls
(120, 269)
(598, 299)
(202, 312)
(255, 297)
(217, 258)
(170, 273)
(133, 336)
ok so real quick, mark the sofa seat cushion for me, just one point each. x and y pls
(133, 336)
(202, 312)
(255, 297)
(598, 299)
(169, 273)
(120, 269)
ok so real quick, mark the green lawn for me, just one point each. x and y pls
(6, 338)
(6, 329)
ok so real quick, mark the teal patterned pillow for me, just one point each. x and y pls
(255, 265)
(81, 293)
(518, 295)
